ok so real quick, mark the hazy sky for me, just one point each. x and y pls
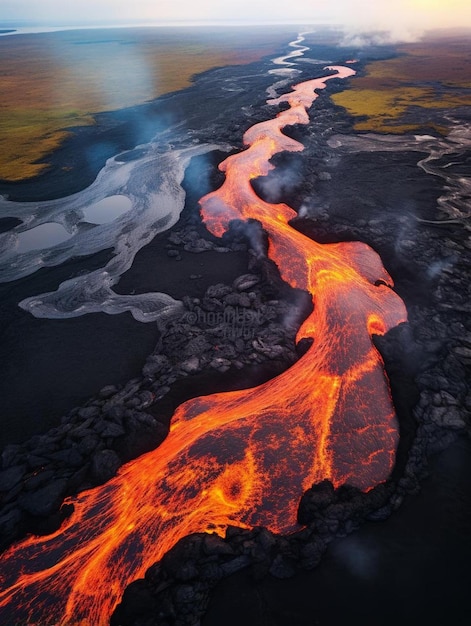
(389, 14)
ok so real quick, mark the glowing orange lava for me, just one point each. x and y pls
(242, 457)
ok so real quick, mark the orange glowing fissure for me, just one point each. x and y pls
(245, 457)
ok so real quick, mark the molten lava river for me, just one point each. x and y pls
(245, 457)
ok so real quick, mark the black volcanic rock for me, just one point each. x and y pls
(317, 498)
(45, 500)
(104, 465)
(138, 604)
(144, 434)
(11, 476)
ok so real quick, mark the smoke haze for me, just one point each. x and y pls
(403, 19)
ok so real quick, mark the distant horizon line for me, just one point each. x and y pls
(12, 23)
(26, 27)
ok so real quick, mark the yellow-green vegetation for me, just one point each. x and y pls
(433, 74)
(32, 133)
(50, 83)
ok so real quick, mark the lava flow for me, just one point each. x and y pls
(245, 457)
